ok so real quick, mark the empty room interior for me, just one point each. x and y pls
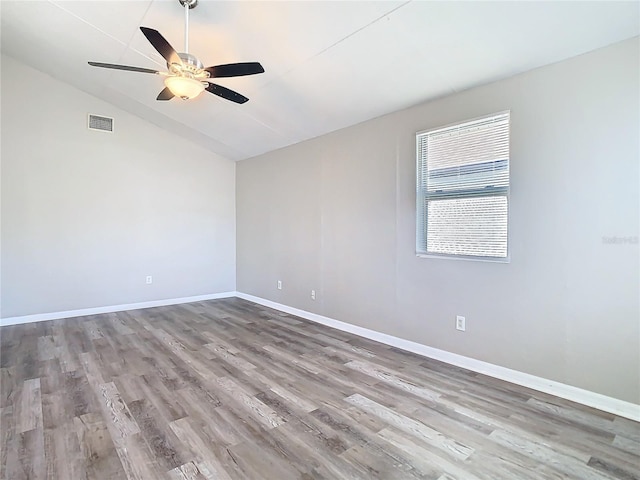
(320, 240)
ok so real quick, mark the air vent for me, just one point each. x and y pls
(99, 123)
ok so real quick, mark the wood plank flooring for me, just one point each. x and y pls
(227, 389)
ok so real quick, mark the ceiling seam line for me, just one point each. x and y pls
(85, 22)
(359, 30)
(131, 38)
(283, 74)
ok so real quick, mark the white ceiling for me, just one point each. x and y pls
(329, 64)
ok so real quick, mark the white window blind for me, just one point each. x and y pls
(463, 189)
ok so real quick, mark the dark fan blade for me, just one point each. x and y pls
(235, 69)
(123, 67)
(165, 94)
(226, 93)
(161, 45)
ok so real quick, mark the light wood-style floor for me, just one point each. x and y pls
(228, 389)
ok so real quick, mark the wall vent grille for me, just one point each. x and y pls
(100, 123)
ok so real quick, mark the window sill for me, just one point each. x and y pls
(462, 257)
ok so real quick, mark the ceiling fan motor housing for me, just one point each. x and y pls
(191, 67)
(190, 61)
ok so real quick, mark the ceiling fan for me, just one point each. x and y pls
(186, 77)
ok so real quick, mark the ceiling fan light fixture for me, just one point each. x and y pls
(184, 87)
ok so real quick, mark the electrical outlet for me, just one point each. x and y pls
(460, 323)
(279, 284)
(149, 279)
(313, 294)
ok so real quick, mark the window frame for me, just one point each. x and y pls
(422, 197)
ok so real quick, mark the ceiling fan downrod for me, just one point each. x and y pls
(188, 5)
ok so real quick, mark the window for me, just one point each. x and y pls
(463, 189)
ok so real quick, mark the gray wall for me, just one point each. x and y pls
(87, 215)
(337, 214)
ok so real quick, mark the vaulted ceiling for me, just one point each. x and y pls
(329, 64)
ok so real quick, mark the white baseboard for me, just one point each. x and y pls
(585, 397)
(40, 317)
(596, 400)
